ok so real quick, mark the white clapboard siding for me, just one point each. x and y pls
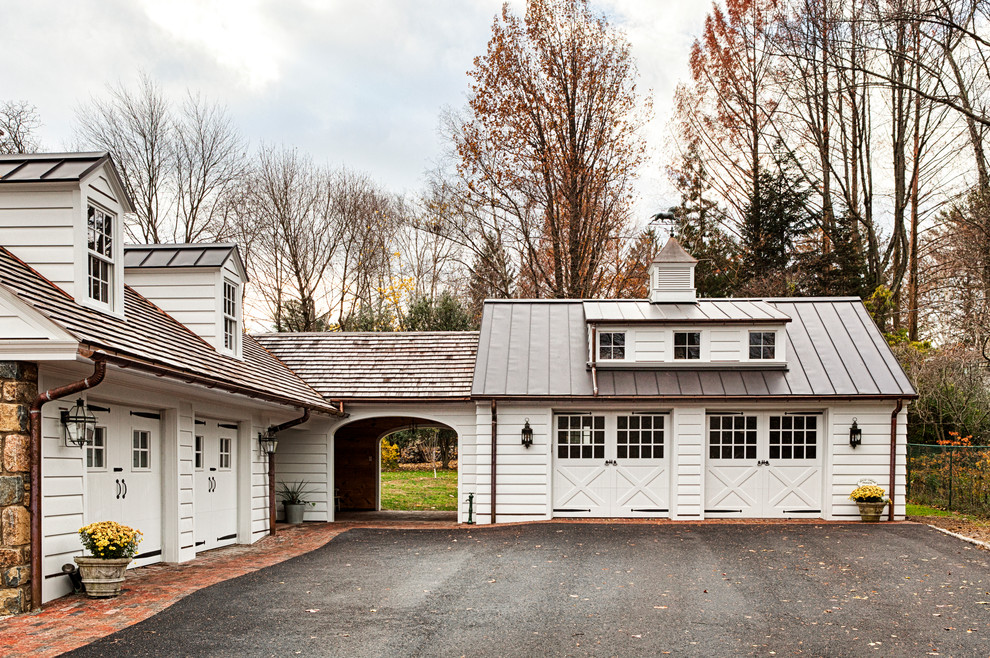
(687, 462)
(304, 455)
(869, 460)
(41, 228)
(189, 295)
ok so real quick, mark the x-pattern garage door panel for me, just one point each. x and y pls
(763, 465)
(611, 465)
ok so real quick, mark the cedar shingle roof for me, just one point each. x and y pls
(150, 335)
(540, 348)
(410, 365)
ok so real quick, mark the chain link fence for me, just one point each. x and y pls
(950, 477)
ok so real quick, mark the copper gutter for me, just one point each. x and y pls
(34, 501)
(494, 452)
(275, 429)
(893, 454)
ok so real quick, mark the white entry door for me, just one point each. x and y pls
(215, 481)
(763, 465)
(611, 465)
(124, 474)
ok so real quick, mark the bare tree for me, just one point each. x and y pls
(19, 123)
(180, 165)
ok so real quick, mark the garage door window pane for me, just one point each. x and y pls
(580, 437)
(141, 449)
(198, 453)
(640, 437)
(732, 437)
(225, 454)
(793, 437)
(96, 452)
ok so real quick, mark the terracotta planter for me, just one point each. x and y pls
(294, 512)
(102, 578)
(870, 512)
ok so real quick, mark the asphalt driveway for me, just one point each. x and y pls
(582, 589)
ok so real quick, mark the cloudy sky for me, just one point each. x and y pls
(359, 83)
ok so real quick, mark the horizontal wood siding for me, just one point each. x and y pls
(650, 345)
(39, 228)
(687, 463)
(304, 455)
(190, 296)
(869, 460)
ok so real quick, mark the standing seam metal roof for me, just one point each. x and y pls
(539, 348)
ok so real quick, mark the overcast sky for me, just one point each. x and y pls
(359, 83)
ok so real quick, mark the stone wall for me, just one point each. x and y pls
(18, 389)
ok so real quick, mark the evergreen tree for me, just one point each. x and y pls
(697, 224)
(443, 313)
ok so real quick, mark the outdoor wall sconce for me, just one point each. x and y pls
(268, 440)
(78, 425)
(855, 434)
(527, 434)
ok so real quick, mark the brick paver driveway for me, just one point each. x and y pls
(594, 589)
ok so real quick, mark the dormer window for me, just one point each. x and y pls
(687, 344)
(100, 254)
(611, 345)
(230, 328)
(762, 345)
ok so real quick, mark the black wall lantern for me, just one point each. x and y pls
(855, 434)
(78, 425)
(268, 440)
(527, 434)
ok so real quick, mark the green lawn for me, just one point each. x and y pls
(417, 490)
(924, 510)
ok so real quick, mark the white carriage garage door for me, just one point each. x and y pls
(123, 473)
(764, 465)
(215, 484)
(611, 465)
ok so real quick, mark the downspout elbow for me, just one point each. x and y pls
(34, 499)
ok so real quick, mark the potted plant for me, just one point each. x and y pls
(112, 546)
(294, 501)
(871, 500)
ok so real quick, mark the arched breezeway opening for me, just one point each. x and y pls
(357, 458)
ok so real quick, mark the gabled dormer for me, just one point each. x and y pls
(200, 285)
(672, 275)
(62, 214)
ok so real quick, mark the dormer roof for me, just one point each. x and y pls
(673, 252)
(205, 255)
(60, 168)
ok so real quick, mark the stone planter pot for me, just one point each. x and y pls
(870, 512)
(102, 578)
(294, 512)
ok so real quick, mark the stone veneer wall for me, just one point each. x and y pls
(18, 388)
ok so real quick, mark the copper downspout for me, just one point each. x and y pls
(271, 467)
(494, 452)
(34, 503)
(893, 454)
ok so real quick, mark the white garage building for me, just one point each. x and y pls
(669, 407)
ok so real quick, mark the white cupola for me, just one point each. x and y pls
(672, 275)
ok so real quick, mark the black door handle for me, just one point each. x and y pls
(117, 483)
(124, 482)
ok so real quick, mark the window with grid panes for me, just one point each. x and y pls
(229, 315)
(100, 254)
(611, 345)
(141, 449)
(225, 454)
(762, 345)
(640, 436)
(793, 437)
(732, 437)
(198, 453)
(580, 436)
(96, 451)
(687, 344)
